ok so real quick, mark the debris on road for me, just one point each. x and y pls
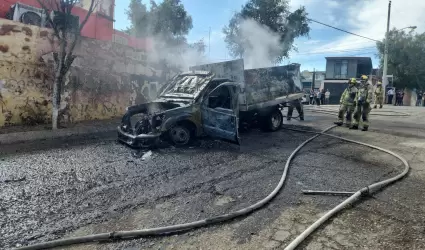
(15, 180)
(147, 155)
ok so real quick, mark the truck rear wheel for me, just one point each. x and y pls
(273, 122)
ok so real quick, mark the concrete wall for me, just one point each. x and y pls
(104, 79)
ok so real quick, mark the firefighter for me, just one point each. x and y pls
(363, 101)
(299, 106)
(379, 98)
(347, 103)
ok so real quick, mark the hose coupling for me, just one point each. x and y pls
(365, 192)
(113, 236)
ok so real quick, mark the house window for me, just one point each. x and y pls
(341, 69)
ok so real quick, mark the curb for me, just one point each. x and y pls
(49, 135)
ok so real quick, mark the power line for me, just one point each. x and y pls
(351, 33)
(359, 52)
(336, 51)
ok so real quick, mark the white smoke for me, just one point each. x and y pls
(181, 56)
(261, 45)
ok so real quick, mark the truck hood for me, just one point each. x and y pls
(186, 86)
(149, 111)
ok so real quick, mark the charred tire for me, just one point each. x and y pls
(272, 122)
(181, 134)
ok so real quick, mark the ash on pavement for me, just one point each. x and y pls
(101, 187)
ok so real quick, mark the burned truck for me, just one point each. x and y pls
(212, 100)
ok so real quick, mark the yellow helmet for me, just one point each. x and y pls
(379, 83)
(352, 81)
(364, 77)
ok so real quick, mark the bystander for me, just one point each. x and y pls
(390, 95)
(318, 97)
(311, 101)
(327, 96)
(322, 97)
(419, 95)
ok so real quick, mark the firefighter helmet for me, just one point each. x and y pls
(352, 81)
(379, 83)
(364, 77)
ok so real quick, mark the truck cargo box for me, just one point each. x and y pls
(266, 84)
(259, 87)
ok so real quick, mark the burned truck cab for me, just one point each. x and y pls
(192, 104)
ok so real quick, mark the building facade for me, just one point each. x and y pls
(340, 69)
(307, 79)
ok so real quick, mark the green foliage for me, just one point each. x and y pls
(273, 14)
(406, 58)
(168, 20)
(199, 46)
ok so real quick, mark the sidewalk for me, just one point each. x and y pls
(21, 134)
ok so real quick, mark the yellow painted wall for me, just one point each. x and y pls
(105, 78)
(24, 84)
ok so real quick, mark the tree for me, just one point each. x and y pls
(275, 16)
(406, 60)
(168, 20)
(167, 24)
(66, 34)
(198, 46)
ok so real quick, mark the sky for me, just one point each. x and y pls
(366, 17)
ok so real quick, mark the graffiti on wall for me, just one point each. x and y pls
(105, 78)
(25, 86)
(24, 93)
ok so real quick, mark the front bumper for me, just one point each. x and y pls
(137, 140)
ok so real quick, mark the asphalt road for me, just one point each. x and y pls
(97, 185)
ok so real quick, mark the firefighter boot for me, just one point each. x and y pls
(339, 123)
(375, 107)
(355, 127)
(365, 128)
(380, 106)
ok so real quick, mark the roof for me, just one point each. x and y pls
(350, 57)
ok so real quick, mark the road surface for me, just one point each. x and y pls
(97, 185)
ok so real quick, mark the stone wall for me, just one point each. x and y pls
(105, 78)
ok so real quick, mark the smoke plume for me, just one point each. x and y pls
(180, 56)
(260, 44)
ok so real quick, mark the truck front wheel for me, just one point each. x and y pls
(273, 122)
(182, 134)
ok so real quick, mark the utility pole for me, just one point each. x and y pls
(313, 80)
(209, 43)
(384, 74)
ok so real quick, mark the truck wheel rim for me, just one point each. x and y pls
(276, 120)
(180, 135)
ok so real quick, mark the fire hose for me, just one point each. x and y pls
(118, 235)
